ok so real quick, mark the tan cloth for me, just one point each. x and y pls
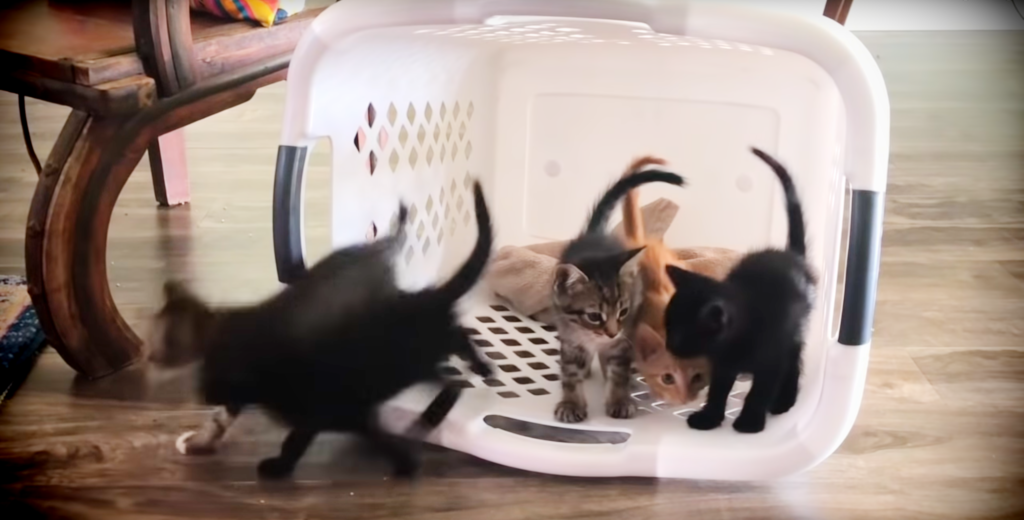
(524, 275)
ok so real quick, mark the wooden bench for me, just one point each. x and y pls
(134, 72)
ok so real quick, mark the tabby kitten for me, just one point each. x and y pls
(329, 372)
(751, 322)
(597, 288)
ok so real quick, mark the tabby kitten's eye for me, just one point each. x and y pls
(668, 379)
(624, 312)
(594, 317)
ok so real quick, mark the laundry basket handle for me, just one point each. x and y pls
(862, 264)
(289, 240)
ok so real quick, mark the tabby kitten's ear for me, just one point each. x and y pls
(631, 261)
(568, 276)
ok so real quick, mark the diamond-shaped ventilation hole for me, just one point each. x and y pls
(455, 150)
(392, 114)
(426, 246)
(497, 356)
(538, 391)
(430, 204)
(410, 113)
(525, 354)
(408, 255)
(393, 160)
(428, 112)
(485, 319)
(538, 341)
(403, 136)
(549, 328)
(430, 155)
(511, 318)
(360, 139)
(467, 181)
(421, 134)
(437, 221)
(456, 110)
(444, 111)
(469, 149)
(493, 382)
(443, 153)
(420, 230)
(371, 162)
(440, 237)
(500, 308)
(509, 342)
(509, 368)
(551, 377)
(413, 211)
(497, 330)
(461, 383)
(523, 380)
(382, 138)
(470, 331)
(482, 343)
(448, 132)
(469, 110)
(550, 351)
(537, 365)
(437, 132)
(462, 131)
(413, 157)
(508, 395)
(371, 115)
(525, 330)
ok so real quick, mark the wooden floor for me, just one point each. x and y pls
(940, 435)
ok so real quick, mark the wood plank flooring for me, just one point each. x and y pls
(940, 434)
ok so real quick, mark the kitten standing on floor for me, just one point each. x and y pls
(672, 380)
(318, 366)
(752, 322)
(597, 289)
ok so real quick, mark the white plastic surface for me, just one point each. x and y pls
(546, 112)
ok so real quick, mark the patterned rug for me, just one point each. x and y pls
(21, 337)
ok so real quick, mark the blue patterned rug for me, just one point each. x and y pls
(21, 336)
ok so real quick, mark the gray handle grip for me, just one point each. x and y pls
(291, 160)
(862, 262)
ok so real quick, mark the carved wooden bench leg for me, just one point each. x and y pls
(66, 239)
(169, 168)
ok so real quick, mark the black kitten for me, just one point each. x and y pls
(752, 322)
(318, 366)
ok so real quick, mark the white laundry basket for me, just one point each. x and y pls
(546, 101)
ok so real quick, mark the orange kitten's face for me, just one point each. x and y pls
(672, 380)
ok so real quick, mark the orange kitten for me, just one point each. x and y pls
(672, 380)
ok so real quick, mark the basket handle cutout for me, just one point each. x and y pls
(544, 432)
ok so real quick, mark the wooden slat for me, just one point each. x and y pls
(116, 97)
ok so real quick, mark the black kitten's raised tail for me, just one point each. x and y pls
(603, 209)
(470, 272)
(794, 211)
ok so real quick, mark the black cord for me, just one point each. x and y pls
(28, 136)
(1014, 4)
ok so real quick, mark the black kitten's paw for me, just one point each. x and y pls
(275, 468)
(749, 422)
(705, 420)
(621, 409)
(405, 467)
(571, 412)
(784, 401)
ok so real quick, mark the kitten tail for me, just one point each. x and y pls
(603, 209)
(470, 272)
(632, 218)
(794, 211)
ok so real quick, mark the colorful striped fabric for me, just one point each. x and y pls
(266, 12)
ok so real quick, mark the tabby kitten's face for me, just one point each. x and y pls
(600, 297)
